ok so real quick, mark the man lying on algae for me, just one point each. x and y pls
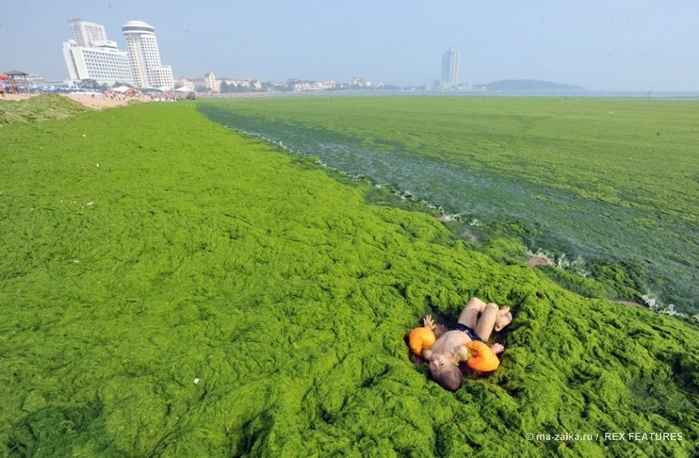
(467, 343)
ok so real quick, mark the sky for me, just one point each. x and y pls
(606, 45)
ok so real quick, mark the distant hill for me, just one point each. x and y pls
(530, 85)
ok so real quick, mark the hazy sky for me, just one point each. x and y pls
(638, 45)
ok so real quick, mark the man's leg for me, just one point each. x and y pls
(486, 323)
(504, 318)
(469, 316)
(493, 319)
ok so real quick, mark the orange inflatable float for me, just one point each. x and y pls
(482, 358)
(420, 339)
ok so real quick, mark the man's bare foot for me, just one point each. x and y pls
(504, 318)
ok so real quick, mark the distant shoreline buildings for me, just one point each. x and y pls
(95, 63)
(90, 55)
(212, 85)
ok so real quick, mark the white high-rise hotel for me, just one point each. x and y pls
(89, 55)
(145, 57)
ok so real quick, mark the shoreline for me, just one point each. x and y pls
(96, 101)
(534, 260)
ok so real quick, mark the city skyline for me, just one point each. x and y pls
(634, 45)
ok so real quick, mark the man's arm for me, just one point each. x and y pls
(421, 339)
(461, 354)
(437, 329)
(428, 322)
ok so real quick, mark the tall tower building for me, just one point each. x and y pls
(89, 55)
(450, 70)
(86, 34)
(144, 55)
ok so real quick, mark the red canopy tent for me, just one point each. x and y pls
(3, 78)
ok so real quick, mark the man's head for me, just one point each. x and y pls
(446, 372)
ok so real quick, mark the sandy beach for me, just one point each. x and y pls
(88, 100)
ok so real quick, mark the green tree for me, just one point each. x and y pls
(90, 83)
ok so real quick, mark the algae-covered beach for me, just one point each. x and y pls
(170, 287)
(605, 188)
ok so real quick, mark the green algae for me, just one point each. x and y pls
(39, 108)
(590, 183)
(170, 288)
